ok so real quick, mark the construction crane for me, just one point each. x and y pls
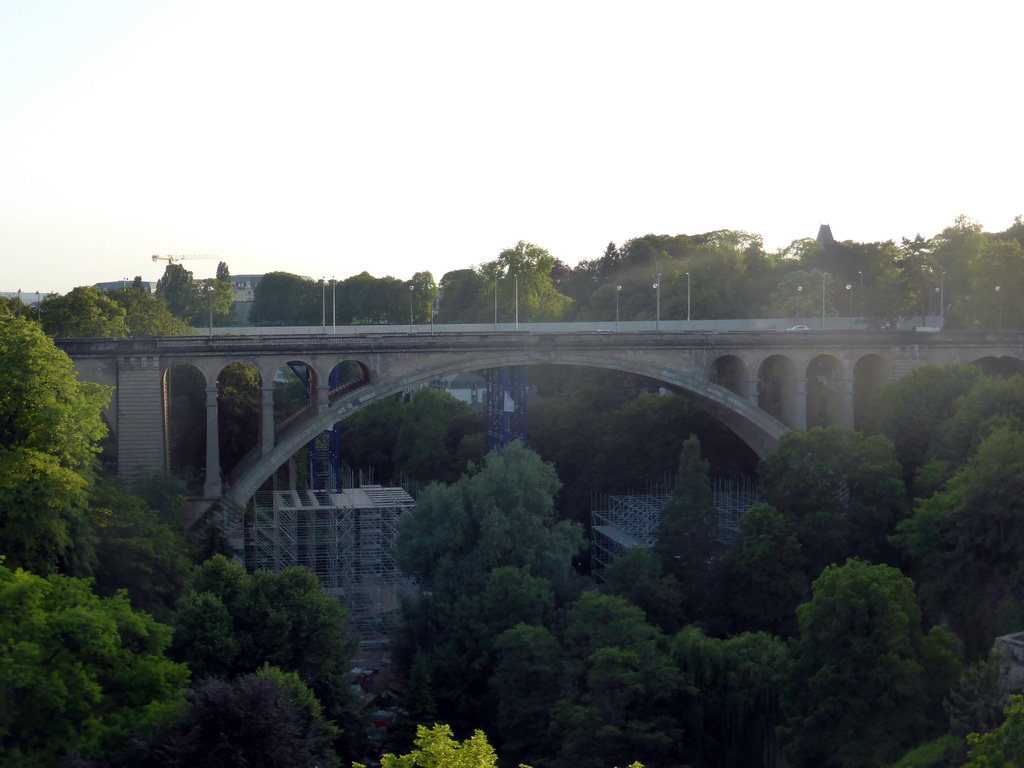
(172, 259)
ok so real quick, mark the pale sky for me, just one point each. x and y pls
(328, 138)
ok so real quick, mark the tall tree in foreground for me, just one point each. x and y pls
(79, 674)
(504, 515)
(687, 536)
(50, 425)
(867, 682)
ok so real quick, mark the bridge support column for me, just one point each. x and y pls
(846, 402)
(800, 404)
(323, 396)
(750, 391)
(212, 488)
(267, 420)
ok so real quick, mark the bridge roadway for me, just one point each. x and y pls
(758, 383)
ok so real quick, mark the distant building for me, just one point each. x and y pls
(825, 235)
(245, 286)
(1011, 649)
(115, 285)
(468, 387)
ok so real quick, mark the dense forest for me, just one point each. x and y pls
(851, 623)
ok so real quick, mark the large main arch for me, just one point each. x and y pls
(758, 429)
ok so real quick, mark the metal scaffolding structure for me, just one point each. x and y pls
(506, 406)
(346, 538)
(629, 522)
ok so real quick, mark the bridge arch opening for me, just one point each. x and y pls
(825, 392)
(777, 389)
(731, 372)
(1003, 367)
(870, 373)
(185, 424)
(239, 399)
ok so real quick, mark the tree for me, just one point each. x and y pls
(965, 543)
(268, 718)
(763, 573)
(844, 491)
(138, 552)
(146, 315)
(79, 674)
(527, 682)
(457, 638)
(436, 747)
(739, 683)
(865, 676)
(232, 623)
(239, 401)
(424, 296)
(1002, 747)
(912, 412)
(502, 515)
(528, 292)
(282, 298)
(83, 311)
(177, 289)
(687, 539)
(464, 296)
(50, 425)
(624, 695)
(638, 575)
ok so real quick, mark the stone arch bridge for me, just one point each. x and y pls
(758, 383)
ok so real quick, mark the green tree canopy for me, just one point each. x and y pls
(844, 491)
(146, 315)
(965, 543)
(79, 674)
(83, 312)
(50, 425)
(867, 682)
(233, 622)
(503, 515)
(282, 298)
(526, 289)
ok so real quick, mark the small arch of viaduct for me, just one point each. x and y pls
(759, 385)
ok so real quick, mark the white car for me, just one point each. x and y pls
(798, 328)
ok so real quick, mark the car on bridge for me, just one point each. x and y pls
(798, 328)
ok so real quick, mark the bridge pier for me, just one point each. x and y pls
(213, 488)
(847, 402)
(266, 419)
(799, 403)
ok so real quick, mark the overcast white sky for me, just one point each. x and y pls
(327, 138)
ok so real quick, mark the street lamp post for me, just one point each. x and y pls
(209, 290)
(999, 301)
(517, 301)
(323, 305)
(687, 298)
(410, 308)
(657, 304)
(860, 297)
(495, 301)
(850, 289)
(942, 295)
(38, 310)
(334, 305)
(618, 290)
(823, 274)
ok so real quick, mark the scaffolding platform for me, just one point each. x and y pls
(631, 521)
(346, 538)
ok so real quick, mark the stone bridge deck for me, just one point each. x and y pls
(758, 383)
